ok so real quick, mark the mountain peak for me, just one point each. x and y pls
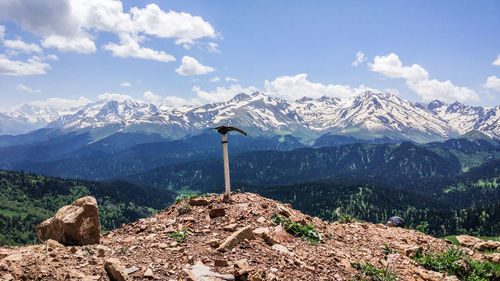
(240, 97)
(435, 104)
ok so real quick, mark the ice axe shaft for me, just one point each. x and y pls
(225, 156)
(223, 130)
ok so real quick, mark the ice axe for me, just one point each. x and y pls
(223, 130)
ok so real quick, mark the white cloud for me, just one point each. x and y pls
(215, 79)
(183, 26)
(57, 103)
(190, 66)
(32, 66)
(296, 87)
(221, 93)
(417, 79)
(22, 46)
(25, 88)
(493, 82)
(445, 91)
(73, 25)
(391, 91)
(231, 79)
(129, 47)
(213, 47)
(392, 67)
(125, 84)
(115, 96)
(51, 57)
(497, 61)
(360, 58)
(82, 44)
(169, 100)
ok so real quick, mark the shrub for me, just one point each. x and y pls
(456, 262)
(183, 209)
(179, 236)
(343, 217)
(305, 232)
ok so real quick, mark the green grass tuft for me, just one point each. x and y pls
(374, 273)
(179, 236)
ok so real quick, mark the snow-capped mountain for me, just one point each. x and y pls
(367, 116)
(104, 112)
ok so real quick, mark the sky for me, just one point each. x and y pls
(63, 53)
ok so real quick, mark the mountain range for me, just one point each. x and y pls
(368, 116)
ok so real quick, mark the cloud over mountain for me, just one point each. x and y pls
(417, 79)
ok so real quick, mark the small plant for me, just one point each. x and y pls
(387, 251)
(305, 232)
(179, 236)
(374, 273)
(343, 217)
(183, 209)
(123, 251)
(456, 262)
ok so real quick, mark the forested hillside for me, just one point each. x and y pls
(28, 199)
(340, 199)
(403, 166)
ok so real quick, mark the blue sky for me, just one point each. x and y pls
(67, 52)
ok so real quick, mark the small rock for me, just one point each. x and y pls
(487, 245)
(53, 244)
(190, 219)
(494, 258)
(230, 227)
(199, 271)
(148, 273)
(241, 268)
(412, 251)
(282, 249)
(115, 270)
(214, 243)
(282, 210)
(281, 235)
(131, 270)
(263, 232)
(162, 246)
(236, 238)
(261, 220)
(310, 268)
(198, 201)
(170, 229)
(221, 262)
(217, 212)
(467, 240)
(100, 253)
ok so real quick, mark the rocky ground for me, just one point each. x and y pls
(225, 241)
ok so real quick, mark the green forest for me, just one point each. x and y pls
(333, 200)
(28, 199)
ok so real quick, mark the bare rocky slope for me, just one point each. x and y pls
(227, 241)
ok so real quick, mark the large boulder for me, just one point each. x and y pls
(75, 224)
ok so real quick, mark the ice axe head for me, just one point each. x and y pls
(224, 129)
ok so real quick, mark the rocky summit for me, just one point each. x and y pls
(206, 238)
